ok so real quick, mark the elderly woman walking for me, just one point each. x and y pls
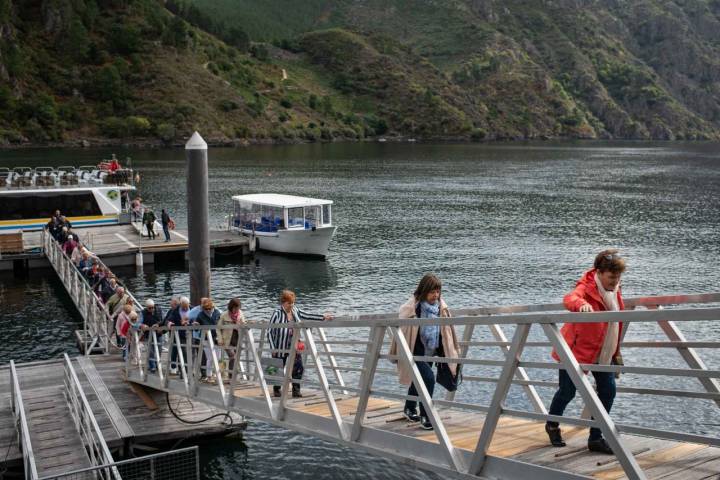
(592, 343)
(427, 341)
(280, 339)
(227, 338)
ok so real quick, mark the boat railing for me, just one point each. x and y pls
(515, 355)
(63, 177)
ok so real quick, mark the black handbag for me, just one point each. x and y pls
(447, 379)
(444, 375)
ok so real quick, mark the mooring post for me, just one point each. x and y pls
(198, 225)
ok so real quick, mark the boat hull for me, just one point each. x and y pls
(296, 242)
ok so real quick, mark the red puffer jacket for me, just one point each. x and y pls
(586, 339)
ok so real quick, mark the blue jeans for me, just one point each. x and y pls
(428, 377)
(426, 373)
(166, 231)
(605, 382)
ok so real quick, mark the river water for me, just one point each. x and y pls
(501, 224)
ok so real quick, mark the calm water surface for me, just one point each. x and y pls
(501, 224)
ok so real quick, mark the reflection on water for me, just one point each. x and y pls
(501, 224)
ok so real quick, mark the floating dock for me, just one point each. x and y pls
(122, 245)
(133, 419)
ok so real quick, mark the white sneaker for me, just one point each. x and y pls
(173, 371)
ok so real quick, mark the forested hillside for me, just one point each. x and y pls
(247, 71)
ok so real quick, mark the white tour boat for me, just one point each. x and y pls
(284, 223)
(86, 196)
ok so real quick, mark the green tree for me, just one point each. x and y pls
(177, 33)
(124, 39)
(108, 85)
(260, 52)
(237, 37)
(76, 41)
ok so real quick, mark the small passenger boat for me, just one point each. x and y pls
(284, 223)
(87, 196)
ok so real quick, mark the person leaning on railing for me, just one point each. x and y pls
(592, 343)
(152, 319)
(426, 340)
(281, 338)
(178, 316)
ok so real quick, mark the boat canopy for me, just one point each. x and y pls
(270, 212)
(280, 200)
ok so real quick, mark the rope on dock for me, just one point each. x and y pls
(195, 422)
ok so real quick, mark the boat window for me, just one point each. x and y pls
(261, 218)
(312, 216)
(295, 217)
(43, 205)
(326, 215)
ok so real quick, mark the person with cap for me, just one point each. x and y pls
(152, 319)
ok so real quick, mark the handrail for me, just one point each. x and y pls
(85, 422)
(150, 459)
(23, 431)
(97, 321)
(363, 357)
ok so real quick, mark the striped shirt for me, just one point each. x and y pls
(281, 338)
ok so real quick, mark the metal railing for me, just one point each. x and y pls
(21, 426)
(97, 321)
(363, 359)
(86, 424)
(180, 464)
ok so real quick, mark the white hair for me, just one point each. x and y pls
(185, 300)
(149, 302)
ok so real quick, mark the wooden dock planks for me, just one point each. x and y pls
(121, 414)
(524, 440)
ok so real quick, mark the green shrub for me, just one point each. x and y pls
(313, 101)
(138, 126)
(124, 39)
(286, 103)
(260, 51)
(166, 132)
(114, 127)
(228, 105)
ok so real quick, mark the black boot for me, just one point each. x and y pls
(296, 391)
(555, 435)
(276, 391)
(600, 446)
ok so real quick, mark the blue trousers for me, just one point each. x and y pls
(166, 231)
(606, 390)
(427, 375)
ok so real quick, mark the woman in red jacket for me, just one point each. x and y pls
(592, 343)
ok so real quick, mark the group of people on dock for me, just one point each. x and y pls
(590, 343)
(145, 214)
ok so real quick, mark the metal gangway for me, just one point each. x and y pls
(63, 441)
(475, 434)
(98, 324)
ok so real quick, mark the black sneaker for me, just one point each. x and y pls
(600, 446)
(555, 436)
(296, 394)
(411, 415)
(425, 423)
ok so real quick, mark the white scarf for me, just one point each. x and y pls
(610, 299)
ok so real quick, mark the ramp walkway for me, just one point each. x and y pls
(352, 395)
